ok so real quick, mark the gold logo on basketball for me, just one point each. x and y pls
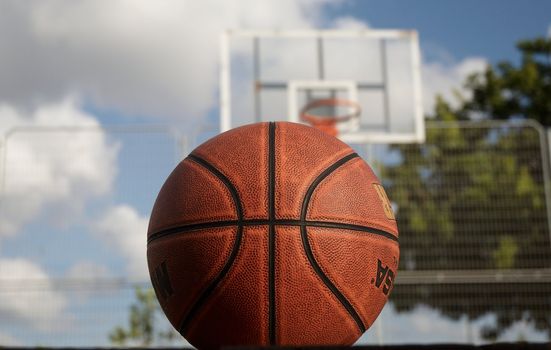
(387, 207)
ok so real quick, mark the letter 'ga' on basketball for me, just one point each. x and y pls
(272, 233)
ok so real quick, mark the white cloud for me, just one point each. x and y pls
(122, 229)
(426, 322)
(54, 171)
(90, 275)
(27, 294)
(87, 270)
(349, 22)
(153, 58)
(549, 31)
(138, 56)
(524, 329)
(420, 323)
(430, 325)
(444, 77)
(8, 340)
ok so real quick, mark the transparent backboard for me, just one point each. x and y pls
(272, 75)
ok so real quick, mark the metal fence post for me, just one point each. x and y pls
(2, 164)
(545, 154)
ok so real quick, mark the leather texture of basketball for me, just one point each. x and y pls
(272, 234)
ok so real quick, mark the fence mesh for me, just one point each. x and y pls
(474, 228)
(472, 204)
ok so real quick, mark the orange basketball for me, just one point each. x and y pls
(272, 233)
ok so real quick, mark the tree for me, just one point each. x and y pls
(506, 91)
(473, 198)
(142, 323)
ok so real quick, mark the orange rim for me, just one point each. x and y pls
(329, 120)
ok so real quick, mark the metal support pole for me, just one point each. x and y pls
(380, 330)
(225, 103)
(321, 63)
(384, 70)
(545, 152)
(2, 164)
(257, 84)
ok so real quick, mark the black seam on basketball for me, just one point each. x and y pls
(235, 249)
(352, 227)
(271, 239)
(191, 227)
(258, 222)
(308, 249)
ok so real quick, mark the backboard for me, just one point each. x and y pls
(272, 75)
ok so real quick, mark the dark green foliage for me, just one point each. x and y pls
(472, 198)
(506, 91)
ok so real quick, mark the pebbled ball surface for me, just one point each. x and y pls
(272, 234)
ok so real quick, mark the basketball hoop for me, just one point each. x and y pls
(326, 122)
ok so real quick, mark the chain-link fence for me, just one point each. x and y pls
(473, 212)
(74, 207)
(472, 205)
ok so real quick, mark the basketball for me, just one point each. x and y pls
(272, 234)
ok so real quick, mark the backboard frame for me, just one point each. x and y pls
(418, 134)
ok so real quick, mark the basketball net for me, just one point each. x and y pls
(325, 122)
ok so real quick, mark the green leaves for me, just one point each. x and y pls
(142, 323)
(508, 91)
(472, 196)
(505, 253)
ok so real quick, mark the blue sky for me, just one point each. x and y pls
(488, 28)
(78, 204)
